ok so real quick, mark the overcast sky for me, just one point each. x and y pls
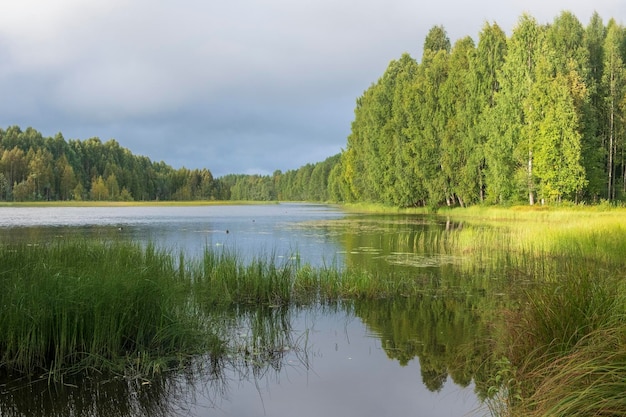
(235, 86)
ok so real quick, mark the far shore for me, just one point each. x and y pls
(565, 212)
(73, 203)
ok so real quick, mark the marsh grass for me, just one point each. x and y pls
(561, 344)
(92, 305)
(589, 381)
(224, 279)
(76, 305)
(566, 342)
(121, 307)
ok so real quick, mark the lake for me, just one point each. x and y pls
(413, 356)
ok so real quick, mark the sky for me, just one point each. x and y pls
(237, 86)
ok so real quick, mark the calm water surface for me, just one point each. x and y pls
(361, 359)
(253, 230)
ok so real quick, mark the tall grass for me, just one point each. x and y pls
(224, 279)
(92, 304)
(566, 343)
(567, 349)
(561, 345)
(117, 306)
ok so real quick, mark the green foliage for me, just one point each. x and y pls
(35, 168)
(534, 117)
(82, 304)
(437, 40)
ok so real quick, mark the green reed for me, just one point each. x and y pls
(118, 306)
(589, 381)
(567, 348)
(223, 279)
(558, 347)
(92, 304)
(564, 342)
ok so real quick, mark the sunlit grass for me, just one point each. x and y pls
(561, 344)
(566, 345)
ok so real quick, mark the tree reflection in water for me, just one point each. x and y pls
(259, 344)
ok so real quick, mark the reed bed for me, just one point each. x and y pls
(81, 304)
(566, 346)
(223, 279)
(565, 342)
(117, 306)
(76, 305)
(561, 343)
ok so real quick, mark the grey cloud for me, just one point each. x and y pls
(237, 86)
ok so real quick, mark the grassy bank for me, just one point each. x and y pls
(561, 346)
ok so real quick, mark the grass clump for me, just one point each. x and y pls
(223, 279)
(566, 347)
(82, 304)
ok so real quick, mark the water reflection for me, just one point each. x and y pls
(439, 331)
(277, 360)
(398, 357)
(90, 397)
(259, 343)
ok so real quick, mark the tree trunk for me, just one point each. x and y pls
(610, 162)
(531, 195)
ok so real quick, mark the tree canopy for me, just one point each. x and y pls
(536, 117)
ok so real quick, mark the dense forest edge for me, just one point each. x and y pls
(38, 168)
(537, 118)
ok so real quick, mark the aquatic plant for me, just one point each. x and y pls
(565, 343)
(118, 306)
(89, 304)
(224, 278)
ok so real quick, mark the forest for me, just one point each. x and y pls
(537, 117)
(37, 168)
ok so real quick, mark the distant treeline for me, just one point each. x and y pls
(37, 168)
(537, 116)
